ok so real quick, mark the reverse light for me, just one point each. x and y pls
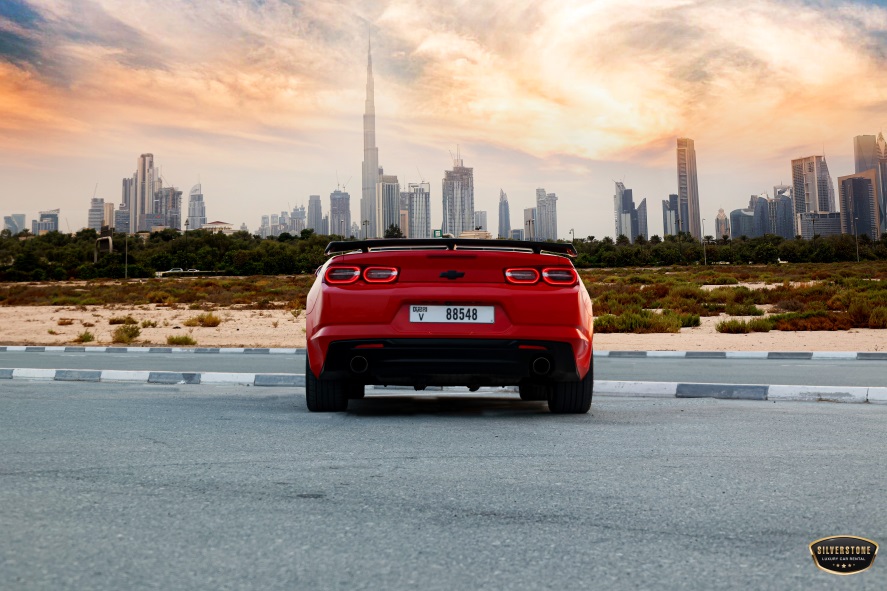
(342, 275)
(380, 274)
(560, 276)
(525, 276)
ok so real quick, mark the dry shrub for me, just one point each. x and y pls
(792, 305)
(878, 317)
(643, 321)
(65, 321)
(126, 333)
(122, 320)
(206, 320)
(149, 324)
(819, 321)
(656, 290)
(85, 337)
(181, 340)
(859, 312)
(87, 324)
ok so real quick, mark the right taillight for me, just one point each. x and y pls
(525, 276)
(560, 276)
(342, 275)
(380, 274)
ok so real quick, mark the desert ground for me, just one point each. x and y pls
(39, 325)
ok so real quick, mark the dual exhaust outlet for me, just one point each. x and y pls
(359, 364)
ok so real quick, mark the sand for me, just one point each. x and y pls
(34, 325)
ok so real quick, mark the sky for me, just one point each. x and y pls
(261, 101)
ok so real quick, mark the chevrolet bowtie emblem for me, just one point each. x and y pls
(452, 274)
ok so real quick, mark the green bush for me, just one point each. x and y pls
(126, 333)
(689, 320)
(733, 309)
(760, 325)
(643, 321)
(182, 340)
(732, 326)
(85, 337)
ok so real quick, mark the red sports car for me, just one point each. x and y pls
(449, 312)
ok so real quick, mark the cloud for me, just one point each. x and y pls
(610, 79)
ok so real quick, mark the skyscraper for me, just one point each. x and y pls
(370, 170)
(419, 207)
(458, 199)
(688, 189)
(812, 186)
(529, 223)
(15, 223)
(142, 199)
(480, 220)
(108, 216)
(761, 220)
(782, 212)
(722, 225)
(626, 215)
(96, 214)
(870, 152)
(546, 215)
(315, 214)
(670, 216)
(504, 216)
(860, 212)
(196, 208)
(47, 222)
(387, 203)
(340, 213)
(642, 220)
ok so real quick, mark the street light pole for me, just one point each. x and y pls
(573, 234)
(366, 224)
(126, 256)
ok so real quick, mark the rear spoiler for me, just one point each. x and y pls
(559, 248)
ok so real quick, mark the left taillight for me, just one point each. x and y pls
(380, 274)
(559, 276)
(342, 275)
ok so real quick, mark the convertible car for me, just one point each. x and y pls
(449, 312)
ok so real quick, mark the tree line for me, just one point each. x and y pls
(57, 256)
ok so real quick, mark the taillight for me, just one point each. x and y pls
(560, 276)
(380, 274)
(342, 275)
(522, 276)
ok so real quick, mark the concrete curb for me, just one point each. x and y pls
(601, 387)
(777, 355)
(167, 350)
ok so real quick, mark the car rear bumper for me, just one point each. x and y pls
(450, 361)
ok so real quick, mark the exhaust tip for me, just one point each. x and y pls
(541, 366)
(359, 364)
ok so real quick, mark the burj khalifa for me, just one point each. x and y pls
(370, 173)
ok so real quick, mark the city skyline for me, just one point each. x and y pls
(273, 118)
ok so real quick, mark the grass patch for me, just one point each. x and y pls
(126, 333)
(149, 324)
(85, 337)
(180, 340)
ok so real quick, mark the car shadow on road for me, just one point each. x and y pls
(445, 405)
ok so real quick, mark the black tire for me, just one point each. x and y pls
(325, 395)
(533, 392)
(355, 390)
(572, 397)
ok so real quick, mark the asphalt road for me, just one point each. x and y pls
(104, 486)
(650, 369)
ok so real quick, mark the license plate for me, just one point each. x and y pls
(472, 314)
